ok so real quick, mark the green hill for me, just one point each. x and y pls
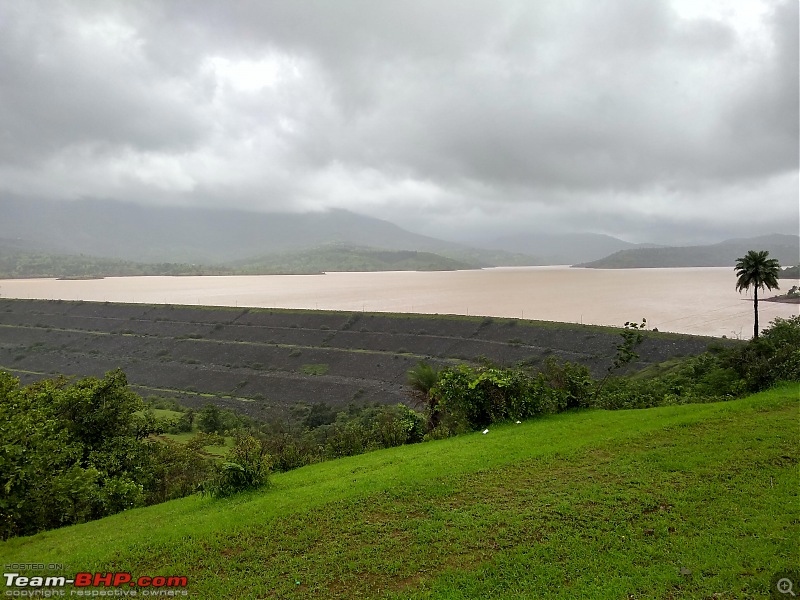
(24, 260)
(674, 502)
(785, 248)
(345, 257)
(26, 263)
(20, 262)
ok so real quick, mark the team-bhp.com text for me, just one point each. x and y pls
(94, 585)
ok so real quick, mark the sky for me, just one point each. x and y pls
(665, 121)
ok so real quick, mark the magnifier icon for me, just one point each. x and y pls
(785, 586)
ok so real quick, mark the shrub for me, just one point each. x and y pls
(575, 382)
(247, 467)
(398, 425)
(291, 451)
(314, 369)
(772, 357)
(319, 413)
(476, 397)
(348, 439)
(177, 471)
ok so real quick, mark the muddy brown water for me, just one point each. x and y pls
(700, 301)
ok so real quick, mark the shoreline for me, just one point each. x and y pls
(784, 299)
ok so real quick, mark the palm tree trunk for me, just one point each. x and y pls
(755, 308)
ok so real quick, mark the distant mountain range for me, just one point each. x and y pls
(344, 257)
(213, 237)
(784, 248)
(563, 249)
(90, 238)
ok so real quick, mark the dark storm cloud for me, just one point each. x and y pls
(64, 85)
(433, 114)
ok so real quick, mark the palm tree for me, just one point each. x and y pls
(422, 380)
(756, 270)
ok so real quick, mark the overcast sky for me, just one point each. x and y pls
(651, 120)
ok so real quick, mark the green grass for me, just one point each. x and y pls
(589, 504)
(183, 438)
(315, 369)
(165, 413)
(659, 369)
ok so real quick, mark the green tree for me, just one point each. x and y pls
(209, 419)
(422, 379)
(626, 350)
(70, 453)
(755, 269)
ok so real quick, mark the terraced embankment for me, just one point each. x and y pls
(264, 361)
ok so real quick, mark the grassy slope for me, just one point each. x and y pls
(591, 504)
(342, 257)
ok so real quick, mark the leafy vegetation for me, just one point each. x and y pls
(247, 467)
(325, 434)
(469, 398)
(314, 369)
(76, 452)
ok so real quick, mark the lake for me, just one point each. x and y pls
(687, 300)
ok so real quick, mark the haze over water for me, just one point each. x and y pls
(700, 301)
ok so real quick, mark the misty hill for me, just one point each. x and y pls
(563, 249)
(790, 272)
(785, 248)
(208, 236)
(29, 262)
(343, 257)
(26, 260)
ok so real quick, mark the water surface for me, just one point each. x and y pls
(687, 300)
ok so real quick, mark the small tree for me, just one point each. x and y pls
(422, 379)
(209, 419)
(755, 269)
(626, 350)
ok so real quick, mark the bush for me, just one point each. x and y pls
(398, 425)
(772, 357)
(476, 397)
(315, 369)
(319, 413)
(247, 467)
(178, 470)
(291, 451)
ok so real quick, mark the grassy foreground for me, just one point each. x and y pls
(696, 501)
